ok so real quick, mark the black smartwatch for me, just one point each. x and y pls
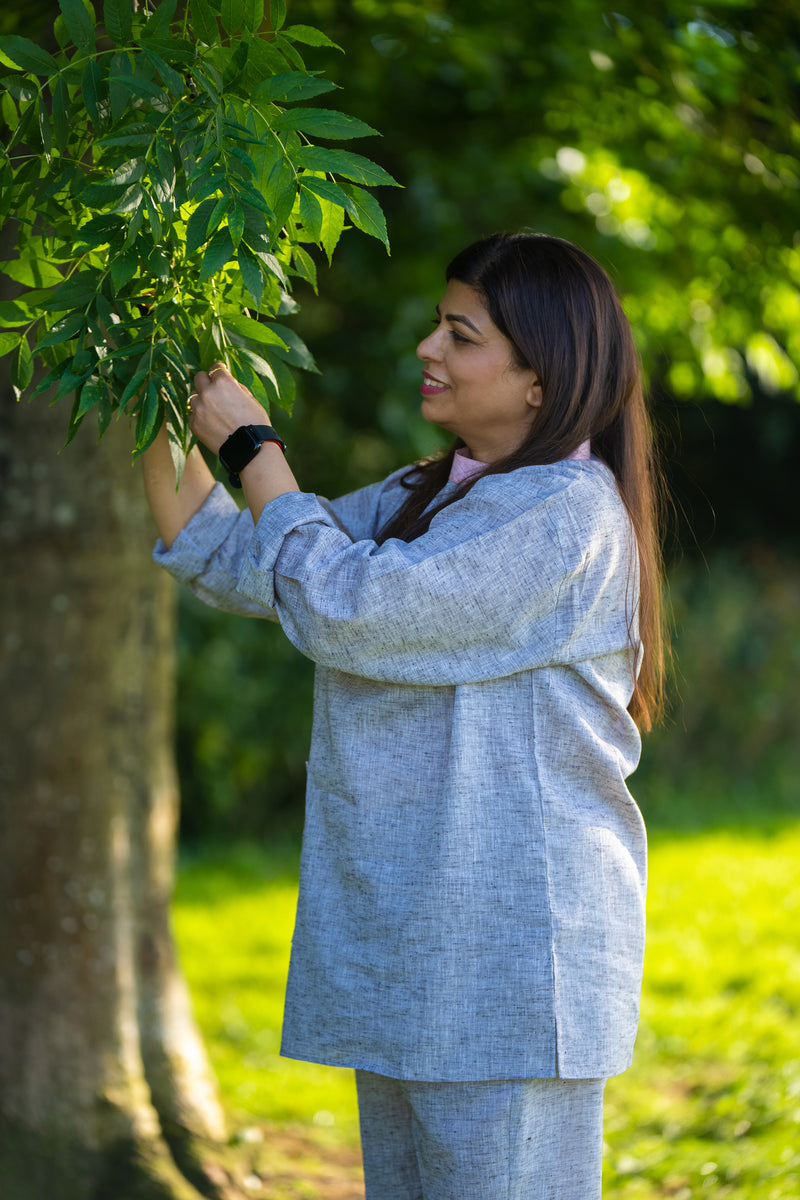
(242, 447)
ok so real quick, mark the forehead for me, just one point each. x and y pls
(462, 300)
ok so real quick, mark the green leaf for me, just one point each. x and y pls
(138, 86)
(140, 133)
(60, 113)
(13, 313)
(9, 111)
(27, 120)
(32, 271)
(95, 93)
(332, 226)
(253, 15)
(253, 199)
(172, 81)
(197, 227)
(277, 13)
(232, 15)
(80, 24)
(297, 352)
(91, 394)
(254, 331)
(174, 49)
(166, 165)
(131, 199)
(236, 223)
(159, 263)
(65, 329)
(64, 386)
(75, 292)
(310, 36)
(271, 263)
(119, 97)
(123, 268)
(304, 265)
(217, 213)
(129, 172)
(218, 251)
(285, 384)
(117, 20)
(97, 195)
(136, 221)
(105, 411)
(292, 85)
(365, 212)
(208, 86)
(289, 52)
(148, 420)
(327, 190)
(322, 122)
(158, 25)
(152, 216)
(134, 383)
(20, 88)
(9, 341)
(26, 55)
(45, 132)
(310, 214)
(251, 273)
(21, 366)
(262, 60)
(204, 21)
(343, 162)
(100, 231)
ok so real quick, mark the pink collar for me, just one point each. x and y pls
(465, 467)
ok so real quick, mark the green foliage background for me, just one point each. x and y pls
(639, 136)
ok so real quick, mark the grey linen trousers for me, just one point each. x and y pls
(524, 1139)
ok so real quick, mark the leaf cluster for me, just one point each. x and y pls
(167, 193)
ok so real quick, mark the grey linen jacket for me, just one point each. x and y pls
(472, 882)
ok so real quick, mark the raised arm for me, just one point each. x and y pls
(171, 509)
(220, 406)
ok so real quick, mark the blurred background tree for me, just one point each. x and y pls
(664, 139)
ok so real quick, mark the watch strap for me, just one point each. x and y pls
(242, 446)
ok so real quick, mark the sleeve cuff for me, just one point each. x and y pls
(279, 518)
(188, 555)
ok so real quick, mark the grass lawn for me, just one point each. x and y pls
(712, 1104)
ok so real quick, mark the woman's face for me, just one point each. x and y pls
(471, 383)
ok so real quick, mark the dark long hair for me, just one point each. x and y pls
(559, 310)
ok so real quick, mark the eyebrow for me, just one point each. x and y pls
(461, 320)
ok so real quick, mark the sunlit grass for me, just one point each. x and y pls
(712, 1104)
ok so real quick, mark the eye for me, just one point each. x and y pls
(459, 337)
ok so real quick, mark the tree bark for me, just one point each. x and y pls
(104, 1084)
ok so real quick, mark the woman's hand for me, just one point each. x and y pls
(219, 406)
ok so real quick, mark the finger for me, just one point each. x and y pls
(217, 367)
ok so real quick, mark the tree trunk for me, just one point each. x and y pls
(104, 1085)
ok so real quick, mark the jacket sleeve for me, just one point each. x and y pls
(518, 574)
(209, 553)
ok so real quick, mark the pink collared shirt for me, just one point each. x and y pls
(465, 467)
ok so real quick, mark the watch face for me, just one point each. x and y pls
(239, 449)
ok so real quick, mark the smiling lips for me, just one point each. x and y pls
(431, 386)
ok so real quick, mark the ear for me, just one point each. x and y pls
(533, 396)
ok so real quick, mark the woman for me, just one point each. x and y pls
(486, 630)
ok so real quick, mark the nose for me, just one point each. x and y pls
(429, 347)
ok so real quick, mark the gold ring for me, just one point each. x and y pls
(193, 396)
(214, 370)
